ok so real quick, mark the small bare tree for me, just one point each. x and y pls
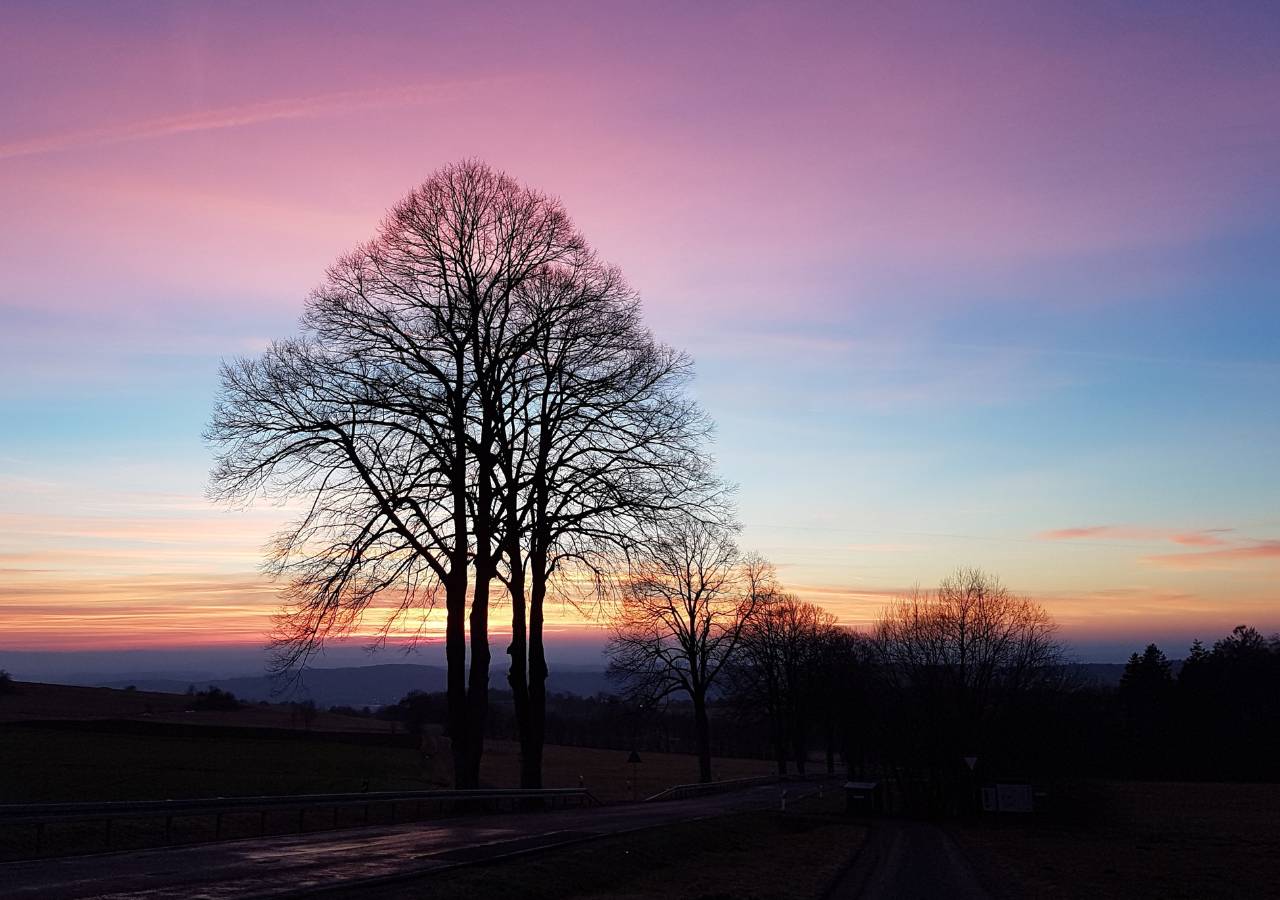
(972, 636)
(779, 670)
(682, 616)
(955, 658)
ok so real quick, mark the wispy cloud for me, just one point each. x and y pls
(1207, 537)
(1213, 548)
(314, 106)
(1256, 551)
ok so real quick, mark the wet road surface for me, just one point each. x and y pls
(282, 865)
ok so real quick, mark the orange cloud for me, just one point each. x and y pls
(123, 611)
(1203, 538)
(1219, 559)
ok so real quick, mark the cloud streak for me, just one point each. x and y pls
(314, 106)
(1258, 551)
(1208, 537)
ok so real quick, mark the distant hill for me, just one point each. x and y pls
(1108, 674)
(35, 702)
(380, 685)
(1098, 674)
(359, 686)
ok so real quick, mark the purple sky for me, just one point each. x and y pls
(991, 284)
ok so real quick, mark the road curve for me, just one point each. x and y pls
(287, 865)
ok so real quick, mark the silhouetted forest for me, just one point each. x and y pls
(1214, 716)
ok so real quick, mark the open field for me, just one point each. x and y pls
(122, 754)
(51, 764)
(756, 856)
(605, 772)
(134, 745)
(34, 701)
(45, 764)
(1135, 839)
(48, 764)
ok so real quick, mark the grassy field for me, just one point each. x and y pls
(50, 765)
(151, 750)
(1133, 839)
(33, 701)
(47, 765)
(606, 773)
(752, 856)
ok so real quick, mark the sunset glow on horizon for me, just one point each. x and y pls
(994, 287)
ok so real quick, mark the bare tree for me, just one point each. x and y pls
(840, 673)
(682, 617)
(383, 420)
(603, 441)
(955, 657)
(780, 669)
(474, 398)
(972, 635)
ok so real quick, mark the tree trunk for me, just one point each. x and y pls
(456, 658)
(456, 600)
(702, 735)
(799, 737)
(486, 562)
(831, 743)
(478, 683)
(518, 674)
(779, 742)
(532, 752)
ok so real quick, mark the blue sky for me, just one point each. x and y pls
(995, 288)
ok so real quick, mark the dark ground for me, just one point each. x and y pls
(904, 860)
(1135, 840)
(742, 853)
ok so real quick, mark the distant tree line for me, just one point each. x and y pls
(212, 699)
(952, 688)
(1218, 717)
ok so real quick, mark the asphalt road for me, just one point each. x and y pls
(288, 865)
(909, 861)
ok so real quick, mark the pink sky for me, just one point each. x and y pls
(991, 284)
